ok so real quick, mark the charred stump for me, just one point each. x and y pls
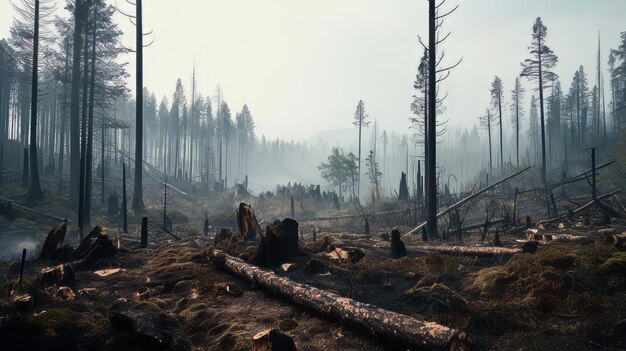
(281, 241)
(54, 240)
(248, 225)
(397, 246)
(57, 275)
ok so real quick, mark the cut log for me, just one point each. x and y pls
(30, 210)
(54, 240)
(478, 251)
(273, 340)
(399, 328)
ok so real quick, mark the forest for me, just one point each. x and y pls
(134, 218)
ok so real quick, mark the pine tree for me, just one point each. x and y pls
(518, 110)
(360, 120)
(497, 95)
(538, 68)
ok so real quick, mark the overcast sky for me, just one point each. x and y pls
(302, 66)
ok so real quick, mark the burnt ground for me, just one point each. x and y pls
(565, 296)
(569, 295)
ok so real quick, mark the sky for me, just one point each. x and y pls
(302, 66)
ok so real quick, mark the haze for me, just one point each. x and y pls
(303, 66)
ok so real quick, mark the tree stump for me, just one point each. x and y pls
(397, 246)
(367, 226)
(54, 240)
(144, 233)
(281, 241)
(95, 246)
(57, 275)
(205, 226)
(496, 238)
(248, 225)
(272, 340)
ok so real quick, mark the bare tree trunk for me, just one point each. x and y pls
(83, 137)
(89, 164)
(431, 214)
(138, 205)
(75, 105)
(34, 187)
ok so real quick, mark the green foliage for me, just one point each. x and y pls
(340, 169)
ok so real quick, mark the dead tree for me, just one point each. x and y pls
(466, 199)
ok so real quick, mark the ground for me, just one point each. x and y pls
(569, 295)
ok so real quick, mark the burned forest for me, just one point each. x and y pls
(312, 175)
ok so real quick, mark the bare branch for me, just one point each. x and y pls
(439, 41)
(447, 13)
(450, 67)
(123, 13)
(150, 43)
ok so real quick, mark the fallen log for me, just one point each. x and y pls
(466, 199)
(582, 208)
(479, 251)
(400, 328)
(31, 211)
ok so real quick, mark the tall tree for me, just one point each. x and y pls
(75, 105)
(516, 107)
(538, 68)
(487, 121)
(497, 95)
(436, 74)
(360, 120)
(138, 205)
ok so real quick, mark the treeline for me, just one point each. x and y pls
(551, 129)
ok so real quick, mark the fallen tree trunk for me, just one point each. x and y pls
(480, 251)
(481, 225)
(467, 199)
(582, 208)
(403, 329)
(31, 211)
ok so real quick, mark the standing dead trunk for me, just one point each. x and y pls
(138, 205)
(89, 159)
(34, 186)
(75, 106)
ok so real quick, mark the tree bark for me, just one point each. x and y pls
(138, 205)
(470, 251)
(400, 328)
(34, 186)
(75, 106)
(431, 170)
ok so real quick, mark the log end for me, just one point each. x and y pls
(272, 340)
